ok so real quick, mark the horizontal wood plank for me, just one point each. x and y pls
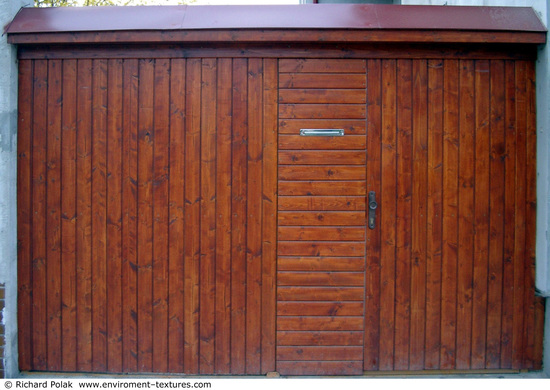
(298, 142)
(320, 293)
(350, 126)
(322, 157)
(320, 308)
(289, 337)
(322, 80)
(322, 188)
(289, 233)
(321, 264)
(320, 248)
(321, 66)
(320, 279)
(322, 111)
(345, 172)
(320, 368)
(319, 353)
(335, 96)
(320, 203)
(335, 218)
(320, 323)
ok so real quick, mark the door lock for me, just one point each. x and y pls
(372, 209)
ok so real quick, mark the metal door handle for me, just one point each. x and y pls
(372, 209)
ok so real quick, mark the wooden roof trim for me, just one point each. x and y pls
(299, 23)
(268, 36)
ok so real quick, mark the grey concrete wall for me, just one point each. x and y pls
(8, 204)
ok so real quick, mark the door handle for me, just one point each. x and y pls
(372, 209)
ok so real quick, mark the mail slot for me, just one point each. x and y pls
(322, 132)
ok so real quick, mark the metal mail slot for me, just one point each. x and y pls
(322, 132)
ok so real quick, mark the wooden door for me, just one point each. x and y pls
(445, 280)
(321, 223)
(136, 250)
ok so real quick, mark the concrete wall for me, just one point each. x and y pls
(8, 205)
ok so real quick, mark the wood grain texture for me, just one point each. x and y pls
(154, 236)
(322, 181)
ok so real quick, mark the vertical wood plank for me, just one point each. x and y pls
(223, 218)
(99, 214)
(53, 218)
(466, 228)
(238, 216)
(373, 241)
(254, 218)
(177, 217)
(208, 216)
(129, 215)
(39, 169)
(25, 214)
(84, 216)
(481, 237)
(114, 217)
(496, 202)
(419, 214)
(68, 216)
(269, 215)
(532, 303)
(509, 217)
(388, 216)
(403, 213)
(450, 216)
(146, 136)
(160, 217)
(434, 237)
(192, 215)
(520, 218)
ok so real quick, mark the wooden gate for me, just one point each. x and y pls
(147, 214)
(445, 280)
(148, 238)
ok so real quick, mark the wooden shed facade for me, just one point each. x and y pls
(173, 215)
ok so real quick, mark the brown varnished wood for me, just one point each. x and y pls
(161, 168)
(319, 338)
(207, 271)
(84, 215)
(164, 238)
(388, 217)
(295, 50)
(129, 212)
(238, 216)
(192, 216)
(466, 172)
(330, 353)
(320, 308)
(223, 219)
(269, 212)
(434, 213)
(319, 264)
(481, 238)
(53, 215)
(404, 213)
(176, 253)
(496, 229)
(419, 213)
(25, 214)
(114, 216)
(509, 216)
(373, 172)
(39, 228)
